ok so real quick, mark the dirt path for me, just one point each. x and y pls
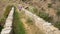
(30, 29)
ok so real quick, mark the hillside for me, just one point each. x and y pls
(31, 16)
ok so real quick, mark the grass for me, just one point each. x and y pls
(18, 27)
(5, 15)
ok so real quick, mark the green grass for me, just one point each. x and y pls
(18, 27)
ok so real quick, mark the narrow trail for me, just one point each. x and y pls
(46, 27)
(30, 29)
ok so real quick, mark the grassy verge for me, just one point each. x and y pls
(5, 15)
(18, 27)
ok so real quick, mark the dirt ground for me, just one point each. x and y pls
(30, 28)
